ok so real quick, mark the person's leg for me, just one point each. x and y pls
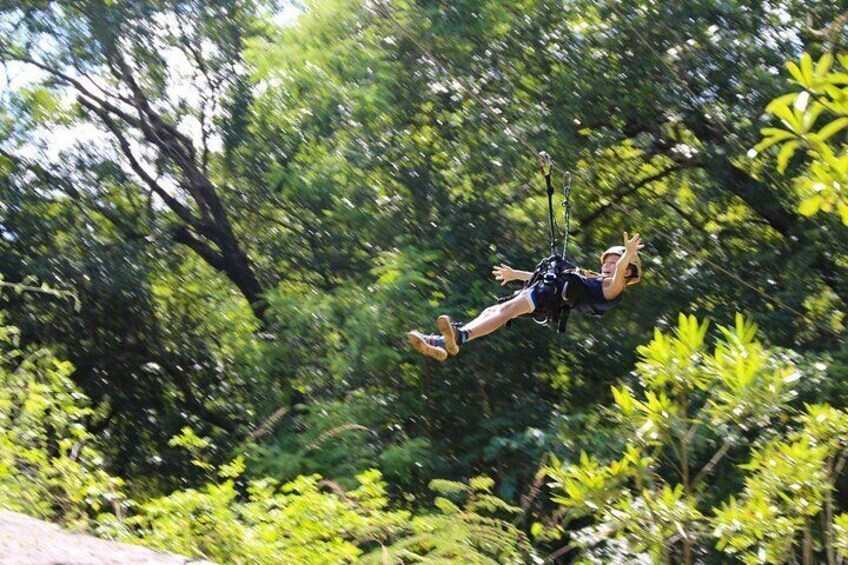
(489, 320)
(497, 315)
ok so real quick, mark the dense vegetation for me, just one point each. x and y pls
(216, 227)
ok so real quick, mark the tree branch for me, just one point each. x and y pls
(182, 211)
(105, 104)
(143, 107)
(183, 235)
(712, 462)
(623, 191)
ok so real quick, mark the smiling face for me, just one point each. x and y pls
(608, 266)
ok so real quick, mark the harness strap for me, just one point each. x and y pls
(551, 271)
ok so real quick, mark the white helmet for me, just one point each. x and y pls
(636, 263)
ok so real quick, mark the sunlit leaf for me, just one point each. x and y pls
(785, 154)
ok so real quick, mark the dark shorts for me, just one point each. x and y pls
(548, 297)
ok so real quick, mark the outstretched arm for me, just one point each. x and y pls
(631, 246)
(505, 273)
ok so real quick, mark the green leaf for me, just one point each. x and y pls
(769, 132)
(481, 484)
(536, 529)
(783, 135)
(807, 68)
(832, 128)
(811, 205)
(824, 64)
(785, 100)
(837, 78)
(810, 116)
(623, 400)
(232, 470)
(446, 505)
(447, 487)
(842, 208)
(782, 111)
(795, 72)
(785, 154)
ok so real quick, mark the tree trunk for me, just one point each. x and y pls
(808, 541)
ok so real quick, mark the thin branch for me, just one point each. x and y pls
(558, 553)
(105, 104)
(210, 86)
(712, 462)
(143, 106)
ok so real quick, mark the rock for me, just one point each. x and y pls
(27, 541)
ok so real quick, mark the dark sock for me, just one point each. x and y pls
(463, 336)
(436, 340)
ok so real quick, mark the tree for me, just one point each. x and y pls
(653, 500)
(51, 466)
(114, 58)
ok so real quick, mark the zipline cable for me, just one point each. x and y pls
(518, 137)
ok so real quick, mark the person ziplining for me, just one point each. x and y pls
(550, 292)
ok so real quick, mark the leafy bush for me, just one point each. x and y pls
(654, 504)
(50, 466)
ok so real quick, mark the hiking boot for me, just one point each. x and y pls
(450, 333)
(419, 342)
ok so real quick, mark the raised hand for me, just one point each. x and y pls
(503, 273)
(632, 244)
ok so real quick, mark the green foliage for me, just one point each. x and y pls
(50, 464)
(841, 529)
(470, 533)
(591, 485)
(644, 507)
(376, 160)
(786, 486)
(297, 522)
(26, 285)
(790, 482)
(825, 91)
(651, 519)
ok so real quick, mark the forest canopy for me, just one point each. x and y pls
(220, 218)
